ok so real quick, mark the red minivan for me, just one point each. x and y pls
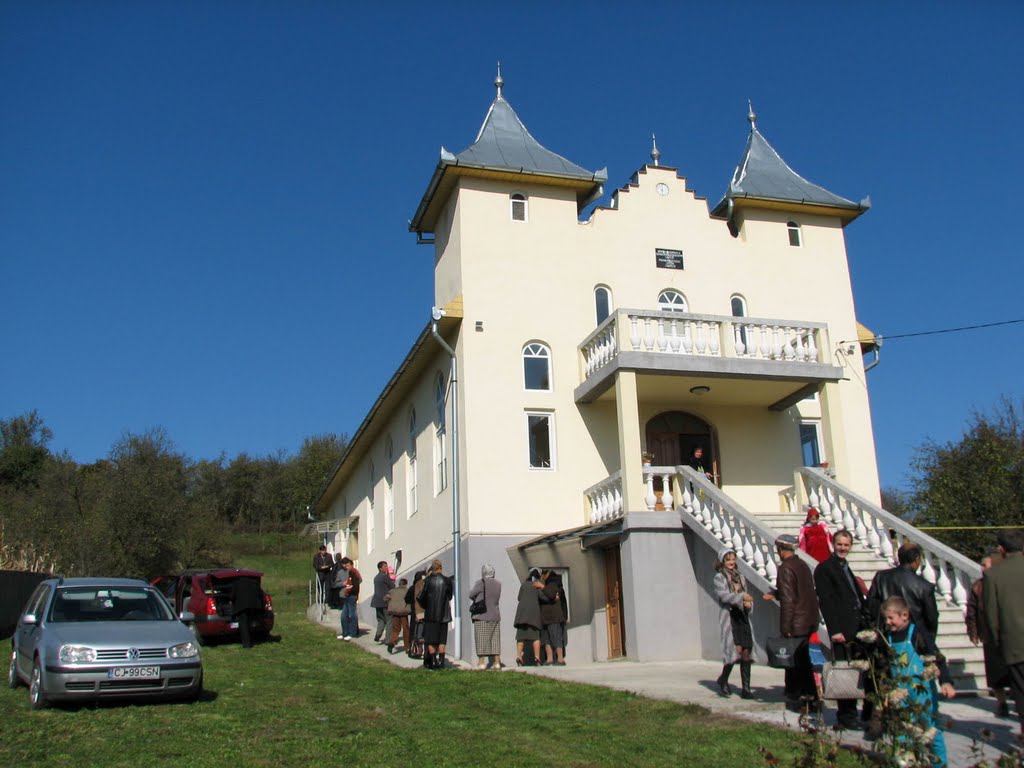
(207, 595)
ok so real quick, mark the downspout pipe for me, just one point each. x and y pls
(436, 313)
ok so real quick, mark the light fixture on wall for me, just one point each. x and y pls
(699, 390)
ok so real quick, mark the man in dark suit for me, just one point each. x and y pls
(904, 582)
(1004, 610)
(844, 609)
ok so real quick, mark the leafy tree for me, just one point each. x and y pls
(975, 481)
(23, 450)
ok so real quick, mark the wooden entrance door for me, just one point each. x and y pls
(613, 603)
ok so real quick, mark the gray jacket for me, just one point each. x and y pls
(492, 594)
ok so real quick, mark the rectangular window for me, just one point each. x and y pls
(541, 438)
(810, 443)
(441, 459)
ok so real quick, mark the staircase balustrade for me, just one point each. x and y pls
(951, 572)
(605, 499)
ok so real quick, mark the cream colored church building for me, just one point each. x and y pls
(586, 337)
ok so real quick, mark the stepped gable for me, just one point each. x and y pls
(505, 149)
(763, 179)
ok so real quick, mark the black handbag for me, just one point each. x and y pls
(782, 651)
(480, 604)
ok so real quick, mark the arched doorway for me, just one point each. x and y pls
(672, 437)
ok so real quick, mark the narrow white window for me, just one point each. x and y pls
(371, 473)
(537, 367)
(739, 309)
(810, 443)
(671, 301)
(794, 233)
(517, 201)
(389, 490)
(412, 503)
(602, 303)
(440, 447)
(540, 427)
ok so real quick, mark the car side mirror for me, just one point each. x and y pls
(186, 617)
(30, 619)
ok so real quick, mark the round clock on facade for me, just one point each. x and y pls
(662, 189)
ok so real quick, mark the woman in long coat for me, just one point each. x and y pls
(734, 621)
(528, 622)
(487, 625)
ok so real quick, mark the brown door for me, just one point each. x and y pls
(613, 603)
(672, 436)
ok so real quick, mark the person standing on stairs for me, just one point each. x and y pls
(815, 538)
(1004, 610)
(904, 582)
(845, 612)
(734, 622)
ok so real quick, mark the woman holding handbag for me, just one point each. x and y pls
(734, 622)
(487, 624)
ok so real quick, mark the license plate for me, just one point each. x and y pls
(119, 673)
(233, 625)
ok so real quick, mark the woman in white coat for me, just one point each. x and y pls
(734, 622)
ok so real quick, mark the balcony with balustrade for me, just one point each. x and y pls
(727, 360)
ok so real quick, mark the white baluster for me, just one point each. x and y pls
(617, 501)
(812, 349)
(702, 341)
(714, 338)
(798, 343)
(726, 532)
(874, 540)
(759, 560)
(662, 338)
(776, 342)
(748, 544)
(739, 346)
(737, 540)
(687, 499)
(651, 499)
(593, 508)
(648, 335)
(766, 345)
(675, 342)
(959, 590)
(716, 523)
(667, 500)
(813, 499)
(687, 338)
(862, 529)
(885, 544)
(771, 570)
(634, 333)
(927, 570)
(942, 583)
(705, 515)
(848, 521)
(788, 344)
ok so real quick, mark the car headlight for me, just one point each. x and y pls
(183, 651)
(76, 654)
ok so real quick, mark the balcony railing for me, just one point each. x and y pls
(677, 333)
(951, 572)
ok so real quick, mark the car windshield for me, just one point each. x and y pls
(108, 604)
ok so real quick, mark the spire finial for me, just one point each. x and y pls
(498, 82)
(751, 115)
(655, 154)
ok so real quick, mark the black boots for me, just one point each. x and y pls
(428, 659)
(723, 680)
(745, 692)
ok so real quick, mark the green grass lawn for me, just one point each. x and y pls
(310, 700)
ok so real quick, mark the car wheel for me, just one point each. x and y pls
(36, 694)
(12, 673)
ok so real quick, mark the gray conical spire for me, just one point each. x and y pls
(655, 154)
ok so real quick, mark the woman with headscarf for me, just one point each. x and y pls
(528, 622)
(486, 625)
(815, 537)
(734, 621)
(415, 615)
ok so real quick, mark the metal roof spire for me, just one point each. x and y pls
(655, 154)
(751, 116)
(498, 82)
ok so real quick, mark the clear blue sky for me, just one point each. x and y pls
(204, 205)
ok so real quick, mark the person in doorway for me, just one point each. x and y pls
(734, 622)
(697, 463)
(435, 597)
(487, 625)
(798, 606)
(1004, 610)
(815, 538)
(997, 676)
(382, 584)
(528, 621)
(845, 612)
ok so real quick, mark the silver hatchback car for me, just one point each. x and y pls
(91, 638)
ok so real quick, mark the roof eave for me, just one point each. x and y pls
(846, 213)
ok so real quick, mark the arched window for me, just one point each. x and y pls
(537, 367)
(602, 303)
(739, 309)
(517, 201)
(794, 233)
(389, 489)
(671, 300)
(412, 503)
(440, 449)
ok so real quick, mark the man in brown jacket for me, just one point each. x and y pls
(798, 605)
(1004, 610)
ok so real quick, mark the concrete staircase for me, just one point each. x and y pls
(966, 662)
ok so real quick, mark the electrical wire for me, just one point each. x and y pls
(879, 337)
